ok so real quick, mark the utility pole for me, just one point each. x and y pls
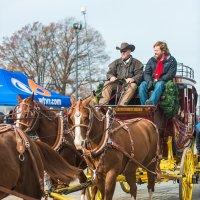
(77, 27)
(83, 11)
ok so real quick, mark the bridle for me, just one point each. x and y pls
(91, 115)
(34, 111)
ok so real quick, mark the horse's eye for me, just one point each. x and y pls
(69, 119)
(77, 114)
(85, 120)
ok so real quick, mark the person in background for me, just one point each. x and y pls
(197, 129)
(9, 118)
(2, 117)
(125, 68)
(159, 69)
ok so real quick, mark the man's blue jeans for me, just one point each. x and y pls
(155, 96)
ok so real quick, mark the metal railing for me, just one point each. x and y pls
(185, 71)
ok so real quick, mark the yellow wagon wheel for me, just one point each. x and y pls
(125, 186)
(187, 170)
(89, 194)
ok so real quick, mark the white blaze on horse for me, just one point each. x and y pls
(78, 138)
(112, 147)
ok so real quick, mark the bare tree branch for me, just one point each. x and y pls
(47, 53)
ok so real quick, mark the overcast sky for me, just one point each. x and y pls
(141, 22)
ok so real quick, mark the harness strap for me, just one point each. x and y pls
(5, 127)
(89, 161)
(41, 181)
(34, 122)
(20, 143)
(124, 124)
(35, 111)
(88, 158)
(17, 194)
(117, 147)
(153, 160)
(60, 134)
(20, 133)
(78, 125)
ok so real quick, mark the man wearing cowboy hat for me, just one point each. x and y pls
(127, 68)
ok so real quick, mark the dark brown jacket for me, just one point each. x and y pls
(133, 69)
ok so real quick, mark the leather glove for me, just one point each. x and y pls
(150, 85)
(112, 79)
(129, 80)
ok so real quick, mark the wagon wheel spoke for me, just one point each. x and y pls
(187, 171)
(90, 195)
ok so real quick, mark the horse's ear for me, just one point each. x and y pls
(31, 98)
(87, 101)
(19, 99)
(65, 112)
(72, 99)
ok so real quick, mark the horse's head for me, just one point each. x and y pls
(26, 114)
(79, 119)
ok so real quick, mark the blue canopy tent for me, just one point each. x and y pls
(13, 84)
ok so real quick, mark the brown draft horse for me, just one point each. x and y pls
(23, 162)
(112, 147)
(36, 119)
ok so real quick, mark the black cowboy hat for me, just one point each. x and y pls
(125, 45)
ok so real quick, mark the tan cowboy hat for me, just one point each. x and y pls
(125, 45)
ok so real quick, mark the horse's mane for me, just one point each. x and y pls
(55, 165)
(98, 113)
(45, 109)
(42, 106)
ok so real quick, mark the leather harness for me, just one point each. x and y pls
(36, 112)
(89, 154)
(22, 144)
